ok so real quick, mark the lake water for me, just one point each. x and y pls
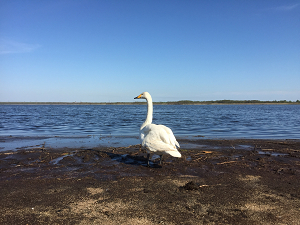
(210, 121)
(236, 121)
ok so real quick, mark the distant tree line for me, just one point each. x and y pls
(188, 102)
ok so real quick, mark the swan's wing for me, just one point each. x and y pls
(168, 136)
(159, 132)
(159, 138)
(160, 146)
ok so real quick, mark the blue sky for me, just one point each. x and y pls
(109, 51)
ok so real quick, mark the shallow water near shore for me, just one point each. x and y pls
(22, 142)
(15, 143)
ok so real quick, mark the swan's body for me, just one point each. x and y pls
(156, 138)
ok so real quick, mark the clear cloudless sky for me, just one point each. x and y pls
(112, 50)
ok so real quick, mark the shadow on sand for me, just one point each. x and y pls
(138, 160)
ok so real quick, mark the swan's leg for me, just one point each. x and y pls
(160, 161)
(148, 157)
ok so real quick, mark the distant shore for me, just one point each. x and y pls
(184, 102)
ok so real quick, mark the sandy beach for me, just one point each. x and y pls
(215, 182)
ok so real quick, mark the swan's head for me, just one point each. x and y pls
(144, 95)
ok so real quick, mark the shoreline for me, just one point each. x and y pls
(24, 142)
(240, 181)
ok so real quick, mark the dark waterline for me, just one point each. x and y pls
(213, 121)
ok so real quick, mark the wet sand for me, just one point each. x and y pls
(215, 182)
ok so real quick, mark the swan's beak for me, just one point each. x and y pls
(138, 96)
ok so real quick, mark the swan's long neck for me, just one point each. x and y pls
(149, 112)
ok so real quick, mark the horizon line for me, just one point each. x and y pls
(180, 102)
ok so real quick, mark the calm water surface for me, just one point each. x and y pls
(211, 121)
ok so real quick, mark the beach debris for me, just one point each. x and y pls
(191, 186)
(226, 162)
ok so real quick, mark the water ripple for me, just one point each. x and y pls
(236, 121)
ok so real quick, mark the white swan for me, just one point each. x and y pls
(156, 138)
